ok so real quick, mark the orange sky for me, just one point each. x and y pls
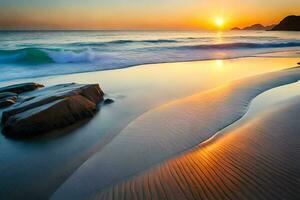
(142, 14)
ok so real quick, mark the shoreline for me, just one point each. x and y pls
(261, 170)
(169, 130)
(253, 112)
(68, 151)
(255, 55)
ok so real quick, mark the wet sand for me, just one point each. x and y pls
(256, 160)
(169, 130)
(37, 168)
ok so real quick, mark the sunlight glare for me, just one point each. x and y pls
(219, 64)
(219, 22)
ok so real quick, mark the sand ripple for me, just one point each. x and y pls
(259, 160)
(170, 130)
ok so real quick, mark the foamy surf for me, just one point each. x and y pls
(28, 54)
(89, 55)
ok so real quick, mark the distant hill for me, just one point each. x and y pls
(290, 23)
(270, 27)
(254, 27)
(236, 29)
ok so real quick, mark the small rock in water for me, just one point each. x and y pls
(108, 101)
(51, 108)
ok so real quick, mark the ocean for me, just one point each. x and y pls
(25, 54)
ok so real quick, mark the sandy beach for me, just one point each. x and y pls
(169, 130)
(258, 160)
(152, 124)
(149, 100)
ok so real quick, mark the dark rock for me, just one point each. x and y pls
(298, 63)
(57, 114)
(53, 93)
(108, 101)
(20, 88)
(7, 99)
(51, 108)
(289, 23)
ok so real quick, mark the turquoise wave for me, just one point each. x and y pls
(25, 56)
(90, 54)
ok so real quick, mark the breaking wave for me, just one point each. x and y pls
(90, 55)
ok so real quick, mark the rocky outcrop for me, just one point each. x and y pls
(290, 23)
(51, 108)
(268, 28)
(9, 94)
(254, 27)
(20, 88)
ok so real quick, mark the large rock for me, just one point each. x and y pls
(9, 94)
(290, 23)
(50, 108)
(20, 88)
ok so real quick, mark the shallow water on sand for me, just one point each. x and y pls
(47, 161)
(256, 158)
(169, 130)
(268, 100)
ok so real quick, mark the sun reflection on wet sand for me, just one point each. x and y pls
(256, 161)
(135, 90)
(219, 65)
(171, 129)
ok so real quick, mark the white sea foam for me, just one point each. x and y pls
(43, 53)
(63, 56)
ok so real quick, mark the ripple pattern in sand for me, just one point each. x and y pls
(260, 160)
(167, 131)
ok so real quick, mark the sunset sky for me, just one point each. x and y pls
(141, 14)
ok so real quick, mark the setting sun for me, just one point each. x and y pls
(219, 22)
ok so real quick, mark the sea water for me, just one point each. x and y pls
(25, 54)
